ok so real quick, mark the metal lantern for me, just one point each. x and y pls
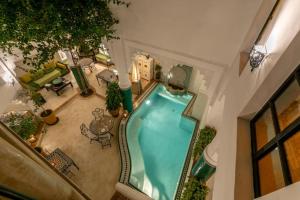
(257, 55)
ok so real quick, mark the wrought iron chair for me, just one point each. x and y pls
(98, 113)
(104, 139)
(86, 132)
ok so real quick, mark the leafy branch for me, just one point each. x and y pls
(40, 28)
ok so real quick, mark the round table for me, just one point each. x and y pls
(99, 127)
(86, 63)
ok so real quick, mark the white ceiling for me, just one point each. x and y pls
(210, 30)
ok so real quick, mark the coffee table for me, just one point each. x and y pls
(58, 84)
(60, 161)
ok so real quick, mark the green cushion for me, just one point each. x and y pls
(49, 69)
(48, 77)
(38, 74)
(32, 86)
(102, 57)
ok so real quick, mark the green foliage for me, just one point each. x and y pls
(42, 27)
(23, 125)
(194, 190)
(158, 71)
(206, 136)
(113, 96)
(158, 67)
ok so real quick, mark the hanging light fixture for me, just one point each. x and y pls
(257, 55)
(259, 52)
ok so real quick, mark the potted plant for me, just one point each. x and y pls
(113, 99)
(38, 100)
(207, 134)
(47, 115)
(157, 72)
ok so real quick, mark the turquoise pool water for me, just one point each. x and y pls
(158, 138)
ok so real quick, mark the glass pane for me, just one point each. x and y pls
(287, 105)
(270, 173)
(292, 149)
(264, 129)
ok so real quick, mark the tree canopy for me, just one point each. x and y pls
(46, 26)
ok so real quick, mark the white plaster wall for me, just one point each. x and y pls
(203, 34)
(210, 30)
(246, 94)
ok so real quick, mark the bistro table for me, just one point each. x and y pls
(101, 127)
(107, 75)
(86, 63)
(60, 161)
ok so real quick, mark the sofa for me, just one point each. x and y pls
(36, 79)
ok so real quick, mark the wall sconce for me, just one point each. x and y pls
(257, 55)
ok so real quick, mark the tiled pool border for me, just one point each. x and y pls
(124, 151)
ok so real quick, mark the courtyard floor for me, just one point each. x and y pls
(99, 169)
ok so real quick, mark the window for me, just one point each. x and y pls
(275, 138)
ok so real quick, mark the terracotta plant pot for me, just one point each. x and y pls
(49, 117)
(115, 113)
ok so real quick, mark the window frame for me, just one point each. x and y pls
(280, 135)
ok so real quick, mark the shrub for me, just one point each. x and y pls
(113, 96)
(194, 190)
(206, 136)
(23, 125)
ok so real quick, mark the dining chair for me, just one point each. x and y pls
(86, 132)
(104, 139)
(98, 113)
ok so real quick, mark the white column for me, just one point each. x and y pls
(119, 59)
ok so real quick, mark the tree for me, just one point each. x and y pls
(42, 27)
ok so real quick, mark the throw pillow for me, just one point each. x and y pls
(50, 64)
(61, 65)
(26, 78)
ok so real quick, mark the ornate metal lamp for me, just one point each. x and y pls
(257, 55)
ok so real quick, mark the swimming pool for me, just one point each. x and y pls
(158, 138)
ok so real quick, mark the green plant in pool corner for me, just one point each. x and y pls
(194, 190)
(206, 136)
(113, 97)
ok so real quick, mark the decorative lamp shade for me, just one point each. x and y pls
(257, 55)
(135, 72)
